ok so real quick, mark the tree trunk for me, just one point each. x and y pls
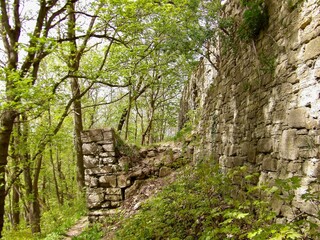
(75, 87)
(52, 164)
(15, 186)
(6, 125)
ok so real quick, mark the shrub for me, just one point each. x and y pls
(255, 19)
(207, 204)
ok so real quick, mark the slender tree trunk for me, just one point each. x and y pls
(128, 117)
(15, 206)
(15, 186)
(31, 186)
(52, 164)
(75, 87)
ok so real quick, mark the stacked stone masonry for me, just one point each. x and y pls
(114, 171)
(266, 117)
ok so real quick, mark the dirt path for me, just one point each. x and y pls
(77, 229)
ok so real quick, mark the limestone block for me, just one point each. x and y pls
(99, 171)
(294, 167)
(302, 132)
(113, 191)
(297, 118)
(113, 197)
(108, 134)
(115, 204)
(312, 49)
(106, 204)
(269, 164)
(107, 154)
(123, 181)
(90, 161)
(107, 160)
(303, 141)
(108, 181)
(108, 147)
(91, 181)
(151, 153)
(308, 153)
(244, 148)
(90, 149)
(264, 145)
(252, 152)
(93, 135)
(95, 198)
(311, 168)
(85, 137)
(288, 145)
(164, 171)
(231, 162)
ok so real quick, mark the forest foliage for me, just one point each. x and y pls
(73, 65)
(207, 203)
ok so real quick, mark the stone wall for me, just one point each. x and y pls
(114, 171)
(261, 115)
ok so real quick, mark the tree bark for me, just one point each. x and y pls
(6, 120)
(75, 88)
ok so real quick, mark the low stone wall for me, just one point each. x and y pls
(114, 171)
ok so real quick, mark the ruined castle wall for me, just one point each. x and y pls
(263, 108)
(114, 171)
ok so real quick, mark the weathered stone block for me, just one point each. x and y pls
(95, 199)
(113, 197)
(231, 162)
(108, 181)
(297, 118)
(93, 135)
(107, 160)
(294, 167)
(123, 181)
(99, 171)
(108, 147)
(151, 153)
(113, 191)
(265, 145)
(312, 49)
(288, 145)
(91, 181)
(108, 134)
(90, 149)
(269, 164)
(115, 204)
(90, 161)
(106, 204)
(311, 168)
(303, 141)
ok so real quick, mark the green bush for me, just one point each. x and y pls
(255, 19)
(207, 204)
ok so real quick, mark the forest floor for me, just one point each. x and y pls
(77, 229)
